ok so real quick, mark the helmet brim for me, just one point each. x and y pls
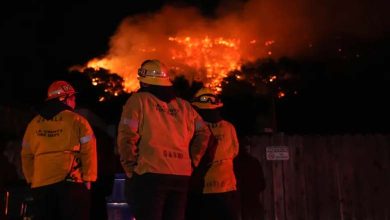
(207, 105)
(159, 81)
(60, 95)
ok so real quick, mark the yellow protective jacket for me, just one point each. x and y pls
(155, 136)
(58, 148)
(220, 176)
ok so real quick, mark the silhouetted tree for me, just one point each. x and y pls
(250, 95)
(106, 96)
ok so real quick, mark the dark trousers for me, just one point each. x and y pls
(194, 205)
(157, 196)
(62, 201)
(98, 206)
(251, 207)
(99, 191)
(220, 206)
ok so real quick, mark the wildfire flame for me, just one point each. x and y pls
(209, 59)
(212, 57)
(207, 48)
(200, 48)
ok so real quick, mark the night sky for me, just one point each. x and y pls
(40, 40)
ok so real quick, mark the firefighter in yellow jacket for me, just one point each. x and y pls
(59, 157)
(160, 138)
(219, 200)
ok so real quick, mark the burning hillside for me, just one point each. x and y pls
(200, 49)
(207, 49)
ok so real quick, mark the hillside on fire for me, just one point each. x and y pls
(279, 66)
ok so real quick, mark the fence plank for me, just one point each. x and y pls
(260, 143)
(290, 180)
(339, 201)
(301, 197)
(379, 177)
(326, 183)
(295, 191)
(311, 178)
(278, 180)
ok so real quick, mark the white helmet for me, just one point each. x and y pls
(154, 72)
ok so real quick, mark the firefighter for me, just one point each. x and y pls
(220, 199)
(160, 138)
(59, 157)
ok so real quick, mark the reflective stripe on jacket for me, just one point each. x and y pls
(220, 176)
(155, 136)
(54, 149)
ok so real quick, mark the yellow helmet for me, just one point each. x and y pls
(154, 72)
(207, 98)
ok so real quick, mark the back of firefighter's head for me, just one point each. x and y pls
(206, 98)
(62, 91)
(153, 72)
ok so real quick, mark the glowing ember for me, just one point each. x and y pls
(272, 78)
(281, 94)
(269, 42)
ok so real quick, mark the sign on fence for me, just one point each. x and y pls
(277, 153)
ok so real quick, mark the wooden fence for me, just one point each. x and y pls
(326, 177)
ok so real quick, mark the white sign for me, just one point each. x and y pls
(277, 153)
